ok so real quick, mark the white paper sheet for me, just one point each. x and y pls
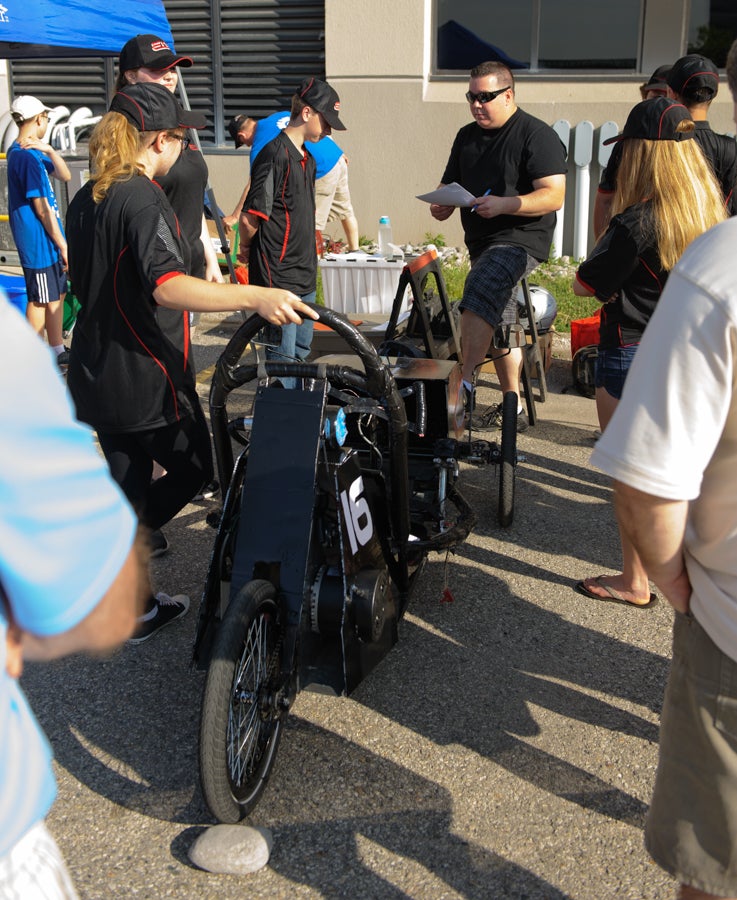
(449, 195)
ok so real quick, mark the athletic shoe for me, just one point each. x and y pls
(165, 611)
(493, 418)
(208, 491)
(62, 360)
(158, 543)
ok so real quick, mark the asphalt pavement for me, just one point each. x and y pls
(505, 748)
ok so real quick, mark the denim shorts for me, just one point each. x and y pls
(612, 365)
(691, 828)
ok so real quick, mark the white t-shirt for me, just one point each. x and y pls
(674, 433)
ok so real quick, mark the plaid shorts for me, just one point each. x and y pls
(489, 288)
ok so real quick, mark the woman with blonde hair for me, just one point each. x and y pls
(130, 372)
(666, 195)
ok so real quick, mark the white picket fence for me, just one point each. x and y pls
(584, 145)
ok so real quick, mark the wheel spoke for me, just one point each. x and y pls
(247, 728)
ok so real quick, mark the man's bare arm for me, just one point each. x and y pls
(656, 527)
(50, 223)
(110, 623)
(248, 225)
(234, 216)
(547, 196)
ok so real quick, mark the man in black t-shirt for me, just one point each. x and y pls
(515, 166)
(277, 223)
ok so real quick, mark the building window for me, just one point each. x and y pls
(712, 28)
(537, 34)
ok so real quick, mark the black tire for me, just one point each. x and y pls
(508, 459)
(241, 721)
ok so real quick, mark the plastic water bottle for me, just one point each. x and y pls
(385, 237)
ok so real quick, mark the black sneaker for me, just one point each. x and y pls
(208, 491)
(62, 360)
(493, 418)
(166, 610)
(158, 543)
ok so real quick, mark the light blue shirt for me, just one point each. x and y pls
(65, 532)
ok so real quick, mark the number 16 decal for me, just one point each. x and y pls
(357, 515)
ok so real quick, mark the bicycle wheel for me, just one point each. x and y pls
(242, 709)
(508, 459)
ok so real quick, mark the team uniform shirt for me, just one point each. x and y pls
(325, 152)
(29, 174)
(282, 195)
(505, 161)
(625, 266)
(720, 152)
(57, 558)
(130, 367)
(674, 433)
(184, 185)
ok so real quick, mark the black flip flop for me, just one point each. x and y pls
(614, 596)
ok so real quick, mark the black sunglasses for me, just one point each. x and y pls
(486, 96)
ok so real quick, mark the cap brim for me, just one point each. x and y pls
(333, 121)
(188, 118)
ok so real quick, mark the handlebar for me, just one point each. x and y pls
(376, 381)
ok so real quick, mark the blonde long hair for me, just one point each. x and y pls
(676, 177)
(115, 146)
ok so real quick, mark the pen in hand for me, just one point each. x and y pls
(476, 206)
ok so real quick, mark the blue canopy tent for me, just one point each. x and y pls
(53, 28)
(72, 28)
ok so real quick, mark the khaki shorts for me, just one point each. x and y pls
(691, 828)
(332, 197)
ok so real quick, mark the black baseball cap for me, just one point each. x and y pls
(655, 120)
(149, 52)
(322, 98)
(693, 74)
(151, 107)
(659, 79)
(234, 126)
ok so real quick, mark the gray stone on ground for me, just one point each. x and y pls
(232, 849)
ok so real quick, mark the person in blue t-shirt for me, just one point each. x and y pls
(35, 222)
(332, 195)
(72, 578)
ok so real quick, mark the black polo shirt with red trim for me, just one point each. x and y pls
(282, 197)
(623, 271)
(130, 367)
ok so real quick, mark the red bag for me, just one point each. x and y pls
(584, 332)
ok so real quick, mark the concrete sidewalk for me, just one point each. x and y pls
(505, 748)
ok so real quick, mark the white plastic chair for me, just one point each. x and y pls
(78, 121)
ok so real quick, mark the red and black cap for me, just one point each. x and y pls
(322, 98)
(658, 80)
(151, 107)
(655, 120)
(148, 51)
(694, 75)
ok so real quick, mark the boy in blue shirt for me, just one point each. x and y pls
(35, 222)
